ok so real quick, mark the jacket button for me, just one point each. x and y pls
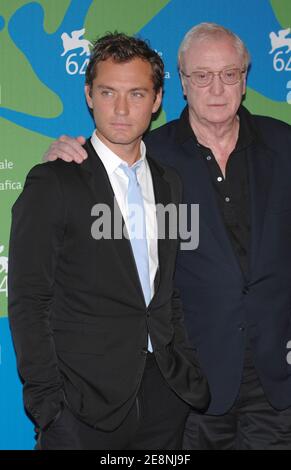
(246, 290)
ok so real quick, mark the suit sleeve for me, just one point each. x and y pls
(36, 238)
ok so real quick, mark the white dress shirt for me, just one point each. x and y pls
(119, 183)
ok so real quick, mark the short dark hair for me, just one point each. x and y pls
(122, 48)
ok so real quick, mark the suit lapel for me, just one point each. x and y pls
(162, 196)
(260, 166)
(95, 177)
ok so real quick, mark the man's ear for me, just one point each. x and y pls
(158, 100)
(183, 83)
(88, 93)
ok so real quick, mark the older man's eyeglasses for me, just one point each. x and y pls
(203, 78)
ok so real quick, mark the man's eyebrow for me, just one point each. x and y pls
(105, 86)
(141, 88)
(230, 66)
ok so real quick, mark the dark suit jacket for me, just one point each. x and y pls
(76, 308)
(221, 306)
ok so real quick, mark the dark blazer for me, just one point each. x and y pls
(221, 306)
(76, 307)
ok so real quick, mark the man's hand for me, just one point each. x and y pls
(68, 149)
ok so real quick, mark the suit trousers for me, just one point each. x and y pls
(251, 424)
(156, 421)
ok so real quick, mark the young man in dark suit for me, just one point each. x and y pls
(97, 328)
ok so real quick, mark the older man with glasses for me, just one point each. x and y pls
(236, 286)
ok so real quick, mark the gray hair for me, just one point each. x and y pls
(211, 30)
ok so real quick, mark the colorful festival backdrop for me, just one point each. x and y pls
(44, 50)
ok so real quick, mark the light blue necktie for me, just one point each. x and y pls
(137, 235)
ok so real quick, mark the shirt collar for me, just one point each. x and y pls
(246, 136)
(110, 160)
